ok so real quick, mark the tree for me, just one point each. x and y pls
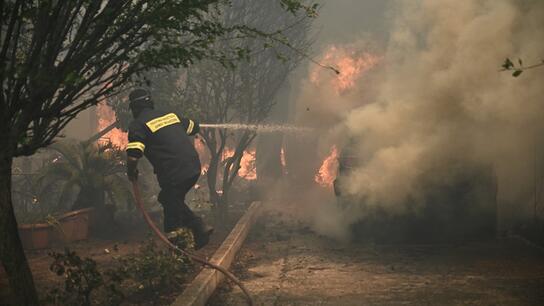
(58, 58)
(245, 93)
(519, 68)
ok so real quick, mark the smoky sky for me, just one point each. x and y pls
(345, 21)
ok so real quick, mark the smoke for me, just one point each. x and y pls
(443, 105)
(435, 109)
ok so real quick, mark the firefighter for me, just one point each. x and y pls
(163, 138)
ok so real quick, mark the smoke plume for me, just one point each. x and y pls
(435, 108)
(443, 104)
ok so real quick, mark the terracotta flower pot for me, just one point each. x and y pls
(73, 226)
(35, 236)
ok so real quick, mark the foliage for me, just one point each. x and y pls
(143, 276)
(518, 69)
(294, 6)
(97, 170)
(33, 204)
(82, 278)
(183, 238)
(257, 30)
(151, 272)
(59, 57)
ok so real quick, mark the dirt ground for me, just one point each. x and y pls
(285, 263)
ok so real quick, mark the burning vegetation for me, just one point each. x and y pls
(329, 169)
(106, 117)
(352, 66)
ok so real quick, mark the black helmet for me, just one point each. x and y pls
(139, 99)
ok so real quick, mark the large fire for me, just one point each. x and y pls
(106, 116)
(328, 170)
(351, 64)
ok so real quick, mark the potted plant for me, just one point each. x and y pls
(92, 174)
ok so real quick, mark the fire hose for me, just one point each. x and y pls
(196, 258)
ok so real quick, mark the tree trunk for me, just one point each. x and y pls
(211, 176)
(215, 197)
(12, 254)
(269, 165)
(222, 211)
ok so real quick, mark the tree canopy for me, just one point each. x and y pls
(59, 57)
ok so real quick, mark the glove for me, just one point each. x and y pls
(132, 169)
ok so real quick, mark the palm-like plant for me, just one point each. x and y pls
(95, 171)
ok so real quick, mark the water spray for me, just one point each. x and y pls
(266, 128)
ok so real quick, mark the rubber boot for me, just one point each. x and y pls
(201, 232)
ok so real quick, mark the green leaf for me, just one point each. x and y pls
(507, 64)
(517, 72)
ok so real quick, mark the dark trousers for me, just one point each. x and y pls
(172, 197)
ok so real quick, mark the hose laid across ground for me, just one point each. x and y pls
(196, 258)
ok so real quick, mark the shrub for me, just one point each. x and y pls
(151, 272)
(143, 276)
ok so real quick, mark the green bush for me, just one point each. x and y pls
(151, 272)
(82, 279)
(145, 276)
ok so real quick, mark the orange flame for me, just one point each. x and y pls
(248, 169)
(106, 116)
(328, 170)
(352, 66)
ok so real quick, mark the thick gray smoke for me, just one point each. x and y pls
(443, 103)
(439, 105)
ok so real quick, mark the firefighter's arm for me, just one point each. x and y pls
(191, 127)
(135, 149)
